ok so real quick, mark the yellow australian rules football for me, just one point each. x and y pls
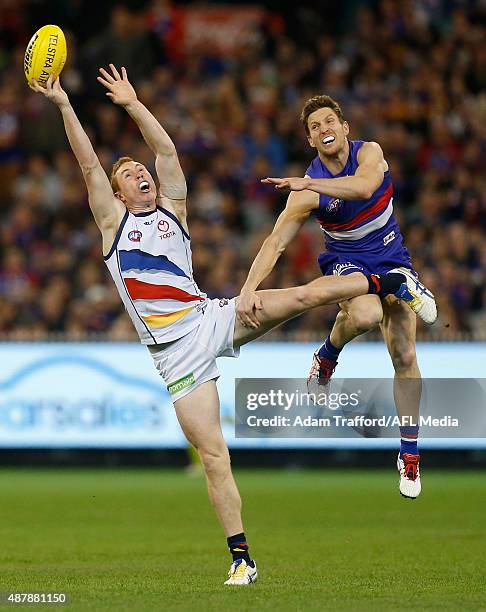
(46, 54)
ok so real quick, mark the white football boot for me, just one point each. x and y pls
(417, 296)
(408, 468)
(242, 573)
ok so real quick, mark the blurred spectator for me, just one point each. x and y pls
(259, 142)
(126, 42)
(410, 75)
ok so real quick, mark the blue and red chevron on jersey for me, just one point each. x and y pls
(151, 263)
(373, 211)
(355, 225)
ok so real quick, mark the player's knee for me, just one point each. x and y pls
(366, 320)
(216, 461)
(403, 356)
(307, 297)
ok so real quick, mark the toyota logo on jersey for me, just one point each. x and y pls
(163, 226)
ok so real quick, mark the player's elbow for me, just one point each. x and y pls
(165, 150)
(366, 192)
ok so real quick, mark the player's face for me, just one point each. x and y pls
(326, 133)
(136, 184)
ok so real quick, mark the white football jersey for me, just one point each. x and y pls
(151, 264)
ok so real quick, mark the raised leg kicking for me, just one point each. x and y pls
(147, 248)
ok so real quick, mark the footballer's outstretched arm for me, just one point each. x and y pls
(107, 210)
(288, 224)
(367, 179)
(169, 171)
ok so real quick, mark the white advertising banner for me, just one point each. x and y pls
(96, 395)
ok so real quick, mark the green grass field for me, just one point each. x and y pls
(324, 540)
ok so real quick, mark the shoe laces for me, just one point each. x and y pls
(326, 368)
(411, 466)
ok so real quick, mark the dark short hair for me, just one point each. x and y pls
(316, 103)
(116, 166)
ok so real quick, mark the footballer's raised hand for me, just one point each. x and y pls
(293, 183)
(52, 91)
(119, 87)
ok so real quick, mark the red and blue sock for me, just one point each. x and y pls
(328, 350)
(408, 440)
(385, 284)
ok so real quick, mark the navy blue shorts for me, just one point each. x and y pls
(367, 262)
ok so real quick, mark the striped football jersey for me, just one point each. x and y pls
(354, 225)
(151, 264)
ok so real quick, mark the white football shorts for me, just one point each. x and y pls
(190, 361)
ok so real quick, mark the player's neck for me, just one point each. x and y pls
(335, 163)
(141, 207)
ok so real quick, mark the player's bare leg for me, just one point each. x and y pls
(198, 415)
(356, 317)
(399, 331)
(280, 305)
(362, 314)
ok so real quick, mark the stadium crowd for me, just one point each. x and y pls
(408, 74)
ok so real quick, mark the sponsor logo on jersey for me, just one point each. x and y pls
(389, 237)
(223, 302)
(182, 383)
(134, 235)
(163, 226)
(341, 267)
(334, 205)
(149, 222)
